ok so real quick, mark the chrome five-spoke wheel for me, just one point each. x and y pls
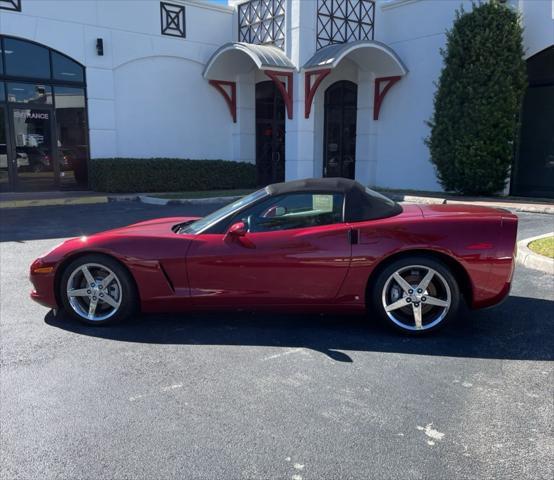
(94, 292)
(416, 295)
(97, 289)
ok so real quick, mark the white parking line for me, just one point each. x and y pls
(286, 352)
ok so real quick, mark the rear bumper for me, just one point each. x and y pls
(499, 285)
(496, 299)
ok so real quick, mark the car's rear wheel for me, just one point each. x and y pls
(416, 295)
(97, 290)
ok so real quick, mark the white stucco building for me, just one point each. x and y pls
(301, 88)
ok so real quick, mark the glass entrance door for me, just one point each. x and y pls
(4, 164)
(43, 118)
(341, 107)
(270, 134)
(34, 165)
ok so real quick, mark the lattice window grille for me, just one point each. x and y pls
(262, 22)
(341, 21)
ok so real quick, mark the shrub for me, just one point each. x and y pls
(128, 175)
(478, 99)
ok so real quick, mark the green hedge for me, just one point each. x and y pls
(130, 175)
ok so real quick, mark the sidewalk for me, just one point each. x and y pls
(37, 199)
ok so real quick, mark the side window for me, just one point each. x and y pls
(297, 210)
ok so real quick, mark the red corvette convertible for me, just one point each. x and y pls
(311, 245)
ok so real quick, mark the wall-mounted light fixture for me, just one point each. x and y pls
(100, 46)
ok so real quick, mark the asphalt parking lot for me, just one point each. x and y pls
(266, 396)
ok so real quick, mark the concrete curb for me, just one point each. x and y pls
(89, 200)
(46, 202)
(123, 198)
(533, 260)
(186, 201)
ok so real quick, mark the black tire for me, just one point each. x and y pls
(401, 321)
(125, 285)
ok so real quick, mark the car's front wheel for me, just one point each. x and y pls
(97, 290)
(416, 295)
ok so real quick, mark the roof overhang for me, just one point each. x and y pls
(369, 55)
(236, 58)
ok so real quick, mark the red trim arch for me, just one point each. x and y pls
(310, 90)
(380, 94)
(230, 96)
(286, 90)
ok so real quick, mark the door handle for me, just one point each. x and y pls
(353, 236)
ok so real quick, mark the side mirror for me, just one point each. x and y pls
(238, 229)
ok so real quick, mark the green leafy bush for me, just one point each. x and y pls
(130, 175)
(477, 103)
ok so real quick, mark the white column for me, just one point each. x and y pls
(299, 143)
(366, 135)
(244, 131)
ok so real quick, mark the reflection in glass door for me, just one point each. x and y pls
(341, 100)
(270, 134)
(4, 164)
(35, 168)
(71, 137)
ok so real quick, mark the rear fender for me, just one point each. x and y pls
(476, 248)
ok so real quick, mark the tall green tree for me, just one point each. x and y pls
(475, 123)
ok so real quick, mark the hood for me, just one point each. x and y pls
(154, 227)
(112, 239)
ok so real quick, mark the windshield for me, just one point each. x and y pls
(213, 218)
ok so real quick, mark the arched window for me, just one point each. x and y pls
(43, 118)
(26, 59)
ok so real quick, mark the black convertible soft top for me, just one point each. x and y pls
(360, 203)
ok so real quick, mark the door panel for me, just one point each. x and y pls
(270, 152)
(35, 165)
(270, 134)
(4, 164)
(71, 135)
(340, 130)
(534, 173)
(349, 142)
(301, 266)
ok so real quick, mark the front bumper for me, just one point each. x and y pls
(43, 300)
(44, 285)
